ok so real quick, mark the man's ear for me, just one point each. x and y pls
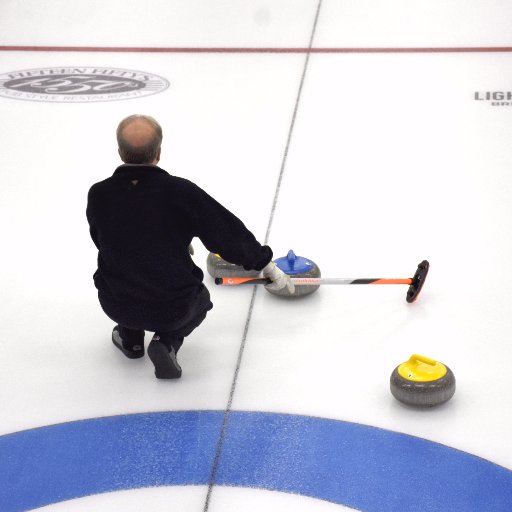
(158, 154)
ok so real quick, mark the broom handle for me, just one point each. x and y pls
(309, 281)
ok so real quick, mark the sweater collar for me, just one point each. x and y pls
(138, 168)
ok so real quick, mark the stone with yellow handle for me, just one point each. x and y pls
(422, 382)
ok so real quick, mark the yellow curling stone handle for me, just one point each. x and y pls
(421, 369)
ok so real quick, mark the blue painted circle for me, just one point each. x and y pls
(359, 466)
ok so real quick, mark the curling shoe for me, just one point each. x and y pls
(164, 360)
(132, 351)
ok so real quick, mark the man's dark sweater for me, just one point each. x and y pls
(142, 221)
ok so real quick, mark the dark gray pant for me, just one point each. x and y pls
(171, 334)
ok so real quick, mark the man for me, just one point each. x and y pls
(142, 220)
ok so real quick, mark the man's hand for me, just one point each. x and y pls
(279, 279)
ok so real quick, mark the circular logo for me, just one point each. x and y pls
(79, 84)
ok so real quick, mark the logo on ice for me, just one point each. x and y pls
(495, 98)
(79, 84)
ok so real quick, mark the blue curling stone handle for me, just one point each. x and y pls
(292, 264)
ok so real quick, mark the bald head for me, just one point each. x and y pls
(139, 139)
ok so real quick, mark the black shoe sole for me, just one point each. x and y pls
(130, 354)
(166, 365)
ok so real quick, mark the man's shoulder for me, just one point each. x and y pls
(96, 187)
(163, 177)
(183, 182)
(180, 184)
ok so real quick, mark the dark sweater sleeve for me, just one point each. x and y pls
(90, 217)
(223, 233)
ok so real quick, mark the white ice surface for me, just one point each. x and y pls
(61, 364)
(400, 164)
(391, 161)
(259, 23)
(402, 23)
(161, 23)
(191, 498)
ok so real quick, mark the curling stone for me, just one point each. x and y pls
(218, 267)
(422, 382)
(297, 266)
